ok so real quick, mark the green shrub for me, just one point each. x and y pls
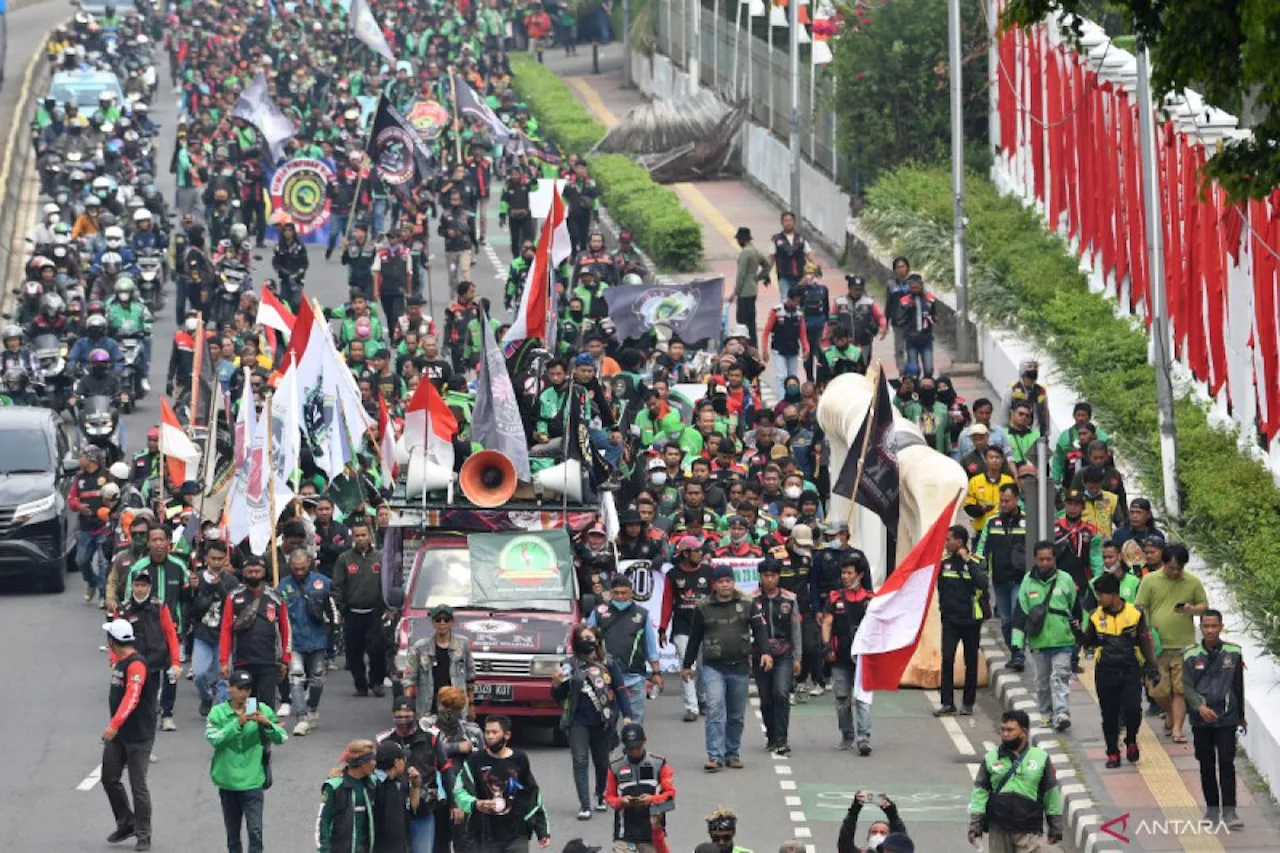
(662, 227)
(1021, 276)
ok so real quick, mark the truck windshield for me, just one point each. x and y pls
(445, 577)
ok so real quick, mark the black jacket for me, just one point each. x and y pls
(959, 583)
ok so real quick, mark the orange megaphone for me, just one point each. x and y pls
(488, 478)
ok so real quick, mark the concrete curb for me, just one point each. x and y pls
(1083, 820)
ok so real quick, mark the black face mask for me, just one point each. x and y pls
(497, 747)
(927, 396)
(1032, 375)
(253, 583)
(948, 396)
(1011, 745)
(584, 649)
(792, 424)
(138, 543)
(576, 316)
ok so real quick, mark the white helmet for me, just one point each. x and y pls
(239, 232)
(142, 215)
(114, 237)
(52, 209)
(119, 470)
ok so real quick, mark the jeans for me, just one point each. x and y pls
(726, 711)
(1216, 752)
(602, 25)
(784, 287)
(1120, 697)
(266, 682)
(774, 688)
(364, 637)
(921, 353)
(611, 452)
(589, 744)
(246, 807)
(1053, 681)
(89, 546)
(116, 756)
(392, 308)
(422, 833)
(899, 348)
(636, 687)
(1088, 603)
(210, 685)
(952, 636)
(168, 691)
(381, 212)
(1006, 600)
(337, 230)
(693, 691)
(853, 726)
(784, 366)
(306, 678)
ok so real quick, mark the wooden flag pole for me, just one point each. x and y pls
(197, 358)
(270, 473)
(457, 127)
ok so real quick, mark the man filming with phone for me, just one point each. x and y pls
(641, 790)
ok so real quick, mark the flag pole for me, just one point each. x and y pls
(457, 129)
(866, 445)
(193, 396)
(271, 493)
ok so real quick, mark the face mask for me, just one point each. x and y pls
(874, 841)
(405, 726)
(927, 396)
(792, 424)
(738, 539)
(948, 396)
(1032, 375)
(793, 392)
(497, 747)
(253, 583)
(140, 598)
(584, 649)
(139, 543)
(659, 478)
(448, 717)
(792, 492)
(1011, 745)
(622, 605)
(788, 522)
(575, 315)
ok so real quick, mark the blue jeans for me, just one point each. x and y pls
(783, 366)
(89, 546)
(726, 711)
(1006, 600)
(1053, 681)
(784, 287)
(337, 229)
(611, 452)
(422, 833)
(851, 728)
(694, 691)
(381, 211)
(602, 25)
(204, 663)
(921, 354)
(635, 685)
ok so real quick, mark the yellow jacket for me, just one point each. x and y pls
(1102, 512)
(983, 498)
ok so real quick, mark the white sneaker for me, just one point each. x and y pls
(303, 728)
(168, 725)
(146, 384)
(284, 710)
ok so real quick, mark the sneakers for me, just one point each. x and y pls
(712, 766)
(966, 711)
(206, 705)
(864, 748)
(304, 727)
(845, 744)
(584, 814)
(782, 748)
(690, 716)
(944, 711)
(734, 763)
(146, 385)
(285, 710)
(1062, 724)
(120, 835)
(168, 725)
(601, 805)
(1113, 760)
(359, 692)
(379, 690)
(792, 700)
(88, 595)
(1131, 752)
(817, 689)
(1017, 665)
(143, 844)
(1232, 820)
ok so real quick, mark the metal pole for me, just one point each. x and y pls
(626, 42)
(813, 111)
(769, 67)
(964, 350)
(737, 40)
(793, 38)
(715, 44)
(1044, 505)
(694, 45)
(751, 66)
(1159, 298)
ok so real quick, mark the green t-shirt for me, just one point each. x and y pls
(1158, 594)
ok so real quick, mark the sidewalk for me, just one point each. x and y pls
(1164, 787)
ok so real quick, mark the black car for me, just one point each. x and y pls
(37, 534)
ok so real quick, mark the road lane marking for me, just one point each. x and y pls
(787, 784)
(594, 102)
(88, 783)
(957, 736)
(792, 801)
(782, 769)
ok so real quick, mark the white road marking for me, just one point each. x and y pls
(90, 781)
(792, 801)
(804, 832)
(798, 817)
(973, 770)
(492, 255)
(787, 784)
(957, 736)
(782, 769)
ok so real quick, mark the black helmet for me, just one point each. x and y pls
(632, 735)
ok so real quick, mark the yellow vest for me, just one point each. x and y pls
(1117, 632)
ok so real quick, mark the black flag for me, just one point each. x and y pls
(875, 451)
(396, 151)
(577, 438)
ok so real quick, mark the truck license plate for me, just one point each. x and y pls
(494, 692)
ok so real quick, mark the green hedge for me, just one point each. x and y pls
(1023, 277)
(662, 227)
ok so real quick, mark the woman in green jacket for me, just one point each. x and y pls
(239, 731)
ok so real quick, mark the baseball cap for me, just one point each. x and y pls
(897, 842)
(689, 543)
(802, 535)
(142, 575)
(737, 521)
(583, 359)
(835, 528)
(632, 735)
(979, 429)
(120, 630)
(240, 678)
(1074, 495)
(442, 610)
(656, 464)
(721, 572)
(1140, 503)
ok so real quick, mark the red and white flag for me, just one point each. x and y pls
(273, 313)
(430, 426)
(386, 441)
(536, 316)
(181, 455)
(890, 631)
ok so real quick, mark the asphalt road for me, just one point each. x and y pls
(56, 685)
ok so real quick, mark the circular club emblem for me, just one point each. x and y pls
(299, 188)
(393, 155)
(490, 626)
(666, 306)
(528, 561)
(428, 118)
(641, 575)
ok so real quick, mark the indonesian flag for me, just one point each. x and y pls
(273, 313)
(890, 631)
(387, 441)
(181, 455)
(536, 316)
(430, 426)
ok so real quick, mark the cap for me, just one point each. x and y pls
(441, 610)
(979, 429)
(632, 735)
(583, 359)
(656, 463)
(721, 572)
(743, 233)
(737, 521)
(688, 543)
(630, 516)
(142, 575)
(240, 678)
(389, 752)
(120, 630)
(802, 535)
(598, 527)
(835, 528)
(1156, 539)
(189, 488)
(1140, 503)
(897, 842)
(1074, 495)
(403, 703)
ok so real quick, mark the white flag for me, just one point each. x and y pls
(365, 28)
(254, 106)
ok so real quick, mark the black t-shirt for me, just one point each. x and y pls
(439, 673)
(846, 607)
(506, 778)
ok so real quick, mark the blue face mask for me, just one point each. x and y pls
(622, 605)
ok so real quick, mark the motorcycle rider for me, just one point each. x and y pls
(234, 247)
(95, 338)
(146, 238)
(50, 320)
(127, 317)
(290, 262)
(18, 356)
(16, 390)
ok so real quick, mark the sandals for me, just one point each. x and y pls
(1178, 738)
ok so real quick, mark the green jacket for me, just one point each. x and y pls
(1027, 799)
(340, 827)
(1060, 592)
(1058, 465)
(237, 750)
(551, 410)
(1022, 447)
(653, 432)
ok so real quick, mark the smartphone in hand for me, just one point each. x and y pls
(251, 705)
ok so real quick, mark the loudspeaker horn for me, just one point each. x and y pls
(424, 476)
(562, 479)
(488, 478)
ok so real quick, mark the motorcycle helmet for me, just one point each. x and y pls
(96, 328)
(107, 219)
(102, 186)
(76, 176)
(119, 470)
(61, 234)
(11, 332)
(99, 359)
(96, 307)
(110, 493)
(114, 237)
(125, 289)
(32, 291)
(52, 210)
(111, 262)
(107, 97)
(51, 305)
(632, 279)
(239, 233)
(135, 202)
